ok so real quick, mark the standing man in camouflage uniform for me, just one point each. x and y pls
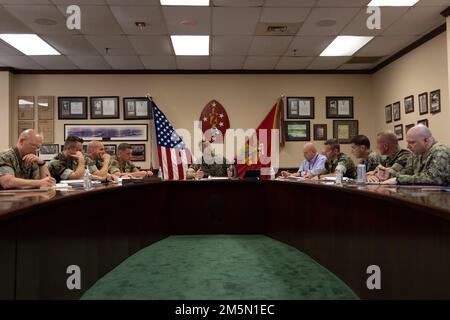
(337, 160)
(430, 164)
(99, 160)
(121, 165)
(69, 164)
(21, 167)
(361, 150)
(212, 165)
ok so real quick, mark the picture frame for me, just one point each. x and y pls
(138, 152)
(423, 103)
(46, 107)
(300, 107)
(408, 126)
(111, 149)
(435, 101)
(388, 113)
(48, 151)
(85, 148)
(137, 108)
(409, 104)
(105, 107)
(23, 125)
(424, 122)
(396, 114)
(25, 105)
(339, 107)
(72, 108)
(298, 131)
(320, 132)
(345, 130)
(108, 132)
(398, 130)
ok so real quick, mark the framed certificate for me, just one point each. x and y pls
(105, 108)
(137, 108)
(339, 107)
(72, 107)
(345, 130)
(300, 107)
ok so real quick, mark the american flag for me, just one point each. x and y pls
(174, 157)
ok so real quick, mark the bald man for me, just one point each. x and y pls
(314, 163)
(21, 167)
(100, 160)
(430, 163)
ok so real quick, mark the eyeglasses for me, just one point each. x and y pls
(35, 147)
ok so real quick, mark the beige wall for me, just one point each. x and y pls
(422, 70)
(5, 98)
(247, 98)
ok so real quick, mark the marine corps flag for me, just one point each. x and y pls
(257, 152)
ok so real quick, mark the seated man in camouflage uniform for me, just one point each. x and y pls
(21, 167)
(430, 163)
(121, 165)
(212, 165)
(99, 160)
(361, 150)
(395, 158)
(337, 160)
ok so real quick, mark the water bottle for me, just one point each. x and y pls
(160, 173)
(362, 177)
(87, 181)
(339, 176)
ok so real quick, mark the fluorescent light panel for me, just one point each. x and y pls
(185, 3)
(392, 3)
(344, 46)
(29, 44)
(190, 45)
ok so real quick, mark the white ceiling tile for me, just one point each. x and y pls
(124, 62)
(151, 45)
(54, 62)
(30, 14)
(340, 16)
(327, 63)
(20, 62)
(433, 3)
(357, 66)
(290, 3)
(227, 62)
(10, 24)
(261, 63)
(133, 2)
(231, 45)
(385, 45)
(193, 63)
(269, 45)
(159, 62)
(90, 62)
(75, 45)
(286, 15)
(237, 3)
(342, 3)
(7, 50)
(309, 46)
(152, 16)
(416, 21)
(294, 63)
(235, 21)
(118, 45)
(358, 26)
(198, 20)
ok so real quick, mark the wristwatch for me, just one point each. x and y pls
(42, 164)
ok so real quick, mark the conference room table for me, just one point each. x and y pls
(404, 231)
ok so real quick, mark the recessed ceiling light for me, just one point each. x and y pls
(190, 45)
(29, 44)
(185, 2)
(392, 3)
(344, 46)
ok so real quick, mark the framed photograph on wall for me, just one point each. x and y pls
(398, 130)
(396, 111)
(320, 132)
(298, 130)
(138, 152)
(339, 107)
(105, 108)
(435, 101)
(48, 151)
(345, 130)
(408, 126)
(424, 122)
(300, 107)
(25, 107)
(72, 108)
(388, 113)
(111, 149)
(137, 108)
(423, 103)
(108, 132)
(409, 104)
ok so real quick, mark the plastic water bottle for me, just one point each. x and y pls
(87, 181)
(339, 176)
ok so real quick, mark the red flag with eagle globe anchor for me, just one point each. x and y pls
(214, 122)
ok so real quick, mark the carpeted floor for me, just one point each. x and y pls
(219, 267)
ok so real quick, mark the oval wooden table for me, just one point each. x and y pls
(403, 231)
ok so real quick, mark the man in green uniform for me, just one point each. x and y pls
(430, 163)
(121, 165)
(21, 167)
(337, 160)
(361, 150)
(99, 161)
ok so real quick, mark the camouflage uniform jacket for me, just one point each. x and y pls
(11, 163)
(116, 166)
(344, 160)
(61, 168)
(214, 168)
(372, 161)
(398, 161)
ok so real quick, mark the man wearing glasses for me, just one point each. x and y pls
(20, 166)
